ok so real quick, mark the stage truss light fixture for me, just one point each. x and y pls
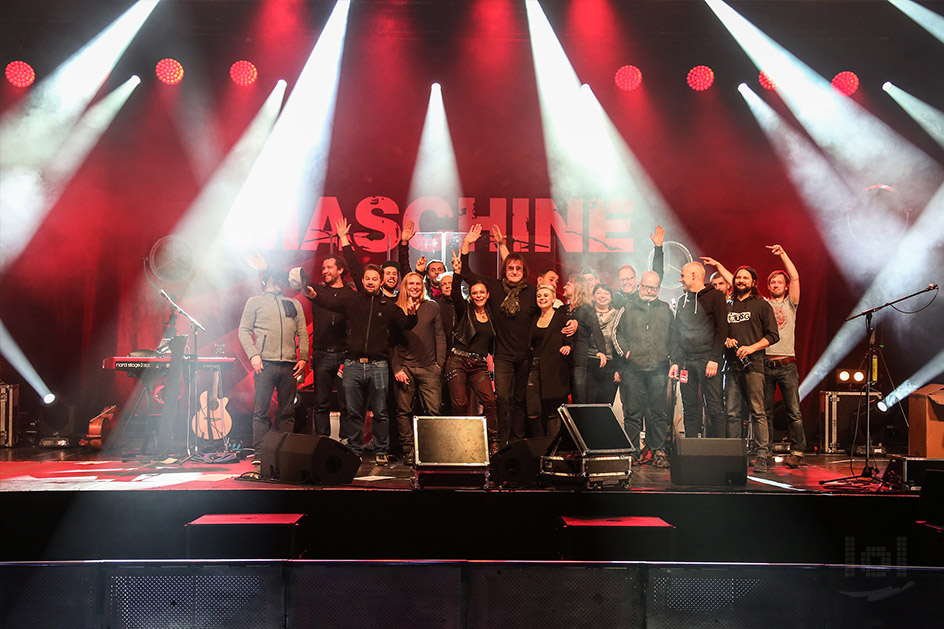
(846, 83)
(169, 71)
(850, 376)
(628, 78)
(243, 73)
(20, 74)
(765, 81)
(700, 78)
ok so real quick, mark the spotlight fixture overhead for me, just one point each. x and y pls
(20, 74)
(628, 78)
(846, 83)
(169, 71)
(243, 73)
(700, 78)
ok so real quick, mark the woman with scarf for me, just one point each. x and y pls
(604, 381)
(588, 342)
(512, 301)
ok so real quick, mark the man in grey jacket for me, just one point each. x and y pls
(274, 335)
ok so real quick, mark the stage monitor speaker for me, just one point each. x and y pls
(313, 459)
(932, 496)
(714, 462)
(518, 464)
(269, 455)
(450, 441)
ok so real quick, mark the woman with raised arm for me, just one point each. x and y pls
(588, 342)
(467, 366)
(549, 373)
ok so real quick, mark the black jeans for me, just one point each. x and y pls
(324, 366)
(646, 392)
(511, 384)
(701, 392)
(425, 381)
(275, 376)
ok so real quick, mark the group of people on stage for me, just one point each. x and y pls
(424, 348)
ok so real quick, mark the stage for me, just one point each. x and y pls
(72, 504)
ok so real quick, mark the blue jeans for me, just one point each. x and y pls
(324, 367)
(365, 387)
(580, 383)
(275, 376)
(788, 379)
(645, 393)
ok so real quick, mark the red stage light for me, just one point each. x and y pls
(765, 82)
(243, 73)
(846, 83)
(700, 78)
(628, 78)
(169, 71)
(20, 74)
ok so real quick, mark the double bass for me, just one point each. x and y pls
(100, 427)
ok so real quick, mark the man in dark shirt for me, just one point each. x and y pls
(369, 316)
(752, 327)
(696, 351)
(626, 275)
(328, 344)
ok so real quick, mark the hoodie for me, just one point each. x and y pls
(701, 326)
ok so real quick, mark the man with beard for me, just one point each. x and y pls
(780, 368)
(328, 329)
(752, 327)
(626, 275)
(735, 418)
(369, 315)
(390, 278)
(696, 351)
(643, 332)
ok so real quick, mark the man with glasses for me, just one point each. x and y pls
(643, 329)
(627, 273)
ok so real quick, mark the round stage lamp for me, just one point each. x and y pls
(20, 74)
(169, 71)
(243, 73)
(859, 376)
(846, 83)
(844, 375)
(882, 406)
(700, 78)
(49, 398)
(628, 78)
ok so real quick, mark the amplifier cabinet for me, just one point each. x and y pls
(9, 407)
(839, 412)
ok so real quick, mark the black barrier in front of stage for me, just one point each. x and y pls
(462, 594)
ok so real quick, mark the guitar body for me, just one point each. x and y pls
(212, 422)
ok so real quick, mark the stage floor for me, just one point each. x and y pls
(83, 469)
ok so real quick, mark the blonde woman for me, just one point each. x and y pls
(588, 341)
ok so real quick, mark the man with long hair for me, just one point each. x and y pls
(418, 356)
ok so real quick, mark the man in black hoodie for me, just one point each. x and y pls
(369, 316)
(701, 328)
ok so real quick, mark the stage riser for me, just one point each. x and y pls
(460, 594)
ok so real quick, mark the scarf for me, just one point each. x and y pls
(510, 306)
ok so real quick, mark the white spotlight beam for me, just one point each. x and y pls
(927, 19)
(920, 378)
(436, 172)
(930, 119)
(586, 156)
(27, 194)
(201, 222)
(289, 174)
(864, 149)
(17, 359)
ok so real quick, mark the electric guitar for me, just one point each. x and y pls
(211, 421)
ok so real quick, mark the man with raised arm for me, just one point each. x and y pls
(369, 315)
(626, 275)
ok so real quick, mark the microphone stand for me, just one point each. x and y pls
(869, 471)
(192, 366)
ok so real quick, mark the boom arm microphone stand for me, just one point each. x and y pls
(192, 366)
(869, 471)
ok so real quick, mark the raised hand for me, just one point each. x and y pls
(412, 305)
(474, 233)
(497, 235)
(342, 227)
(659, 236)
(456, 263)
(408, 232)
(256, 261)
(708, 261)
(777, 250)
(421, 265)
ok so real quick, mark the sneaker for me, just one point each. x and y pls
(381, 458)
(793, 461)
(644, 458)
(760, 465)
(409, 459)
(660, 459)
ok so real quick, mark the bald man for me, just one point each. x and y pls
(697, 350)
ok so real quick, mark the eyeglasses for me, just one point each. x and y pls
(649, 288)
(514, 268)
